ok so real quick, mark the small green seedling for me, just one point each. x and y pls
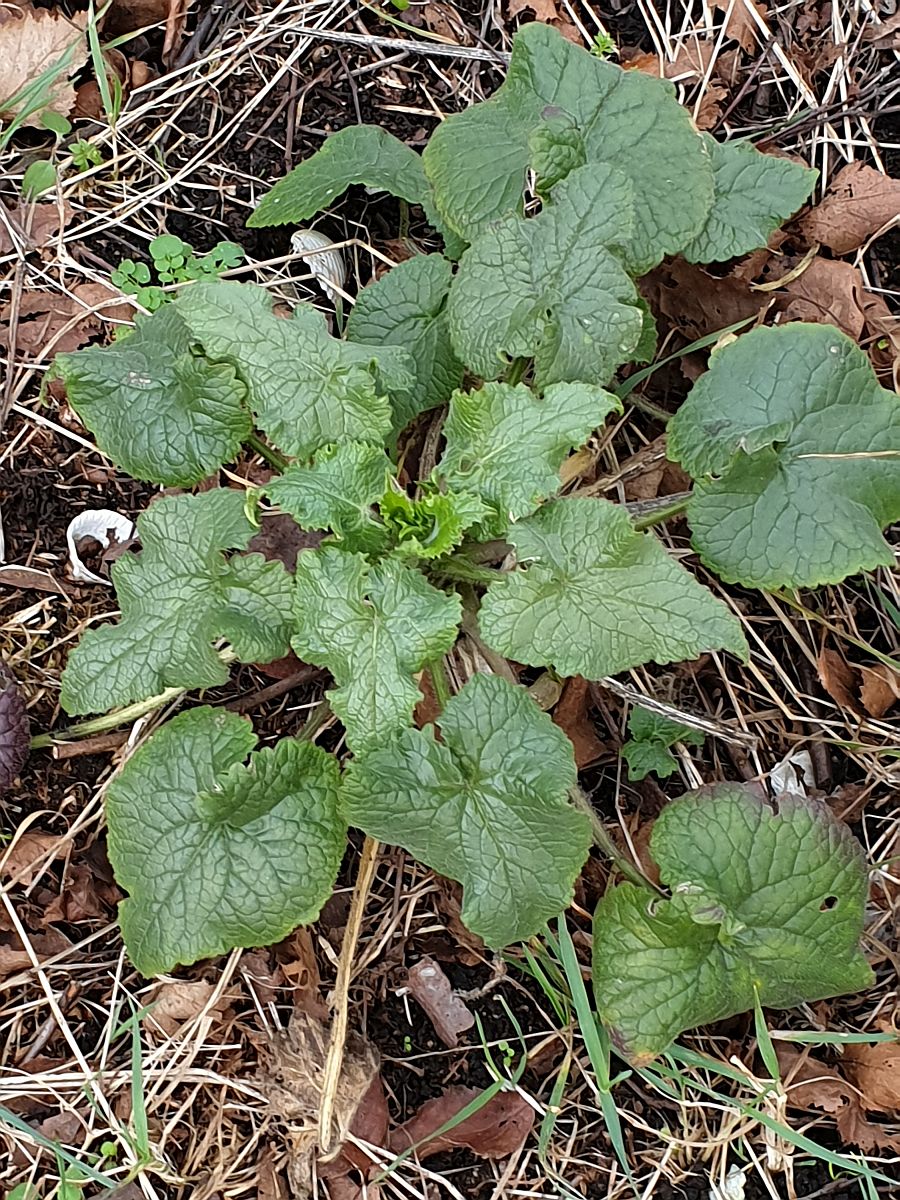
(651, 736)
(85, 155)
(174, 262)
(510, 340)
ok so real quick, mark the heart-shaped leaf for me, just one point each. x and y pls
(766, 902)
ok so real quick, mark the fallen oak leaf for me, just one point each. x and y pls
(859, 202)
(39, 44)
(875, 1070)
(497, 1129)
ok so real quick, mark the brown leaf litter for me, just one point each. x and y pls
(33, 43)
(28, 227)
(495, 1130)
(872, 689)
(49, 322)
(860, 202)
(572, 716)
(813, 1084)
(447, 1012)
(176, 1003)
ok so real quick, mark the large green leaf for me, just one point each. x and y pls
(796, 450)
(486, 805)
(406, 308)
(178, 596)
(364, 154)
(765, 901)
(595, 597)
(549, 288)
(337, 492)
(373, 628)
(754, 194)
(158, 410)
(215, 854)
(507, 444)
(476, 160)
(306, 388)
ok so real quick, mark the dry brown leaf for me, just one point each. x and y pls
(51, 323)
(697, 303)
(178, 1002)
(739, 24)
(445, 21)
(828, 292)
(470, 948)
(885, 35)
(496, 1130)
(875, 1070)
(880, 689)
(811, 1084)
(30, 855)
(838, 678)
(859, 202)
(691, 59)
(571, 715)
(32, 42)
(446, 1011)
(370, 1124)
(544, 10)
(34, 225)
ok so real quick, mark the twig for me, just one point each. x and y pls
(498, 57)
(335, 1059)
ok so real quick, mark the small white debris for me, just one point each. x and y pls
(732, 1188)
(326, 263)
(96, 523)
(793, 775)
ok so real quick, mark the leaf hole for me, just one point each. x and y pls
(828, 904)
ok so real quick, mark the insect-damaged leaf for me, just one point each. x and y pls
(765, 902)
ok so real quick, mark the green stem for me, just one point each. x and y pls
(404, 219)
(439, 681)
(662, 514)
(272, 457)
(517, 370)
(112, 720)
(604, 842)
(456, 567)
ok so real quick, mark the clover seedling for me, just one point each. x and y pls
(509, 340)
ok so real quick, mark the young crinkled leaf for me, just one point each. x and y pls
(486, 805)
(406, 308)
(765, 902)
(433, 523)
(214, 853)
(476, 160)
(754, 194)
(795, 449)
(651, 736)
(306, 388)
(177, 597)
(160, 411)
(507, 444)
(596, 597)
(549, 288)
(372, 627)
(337, 492)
